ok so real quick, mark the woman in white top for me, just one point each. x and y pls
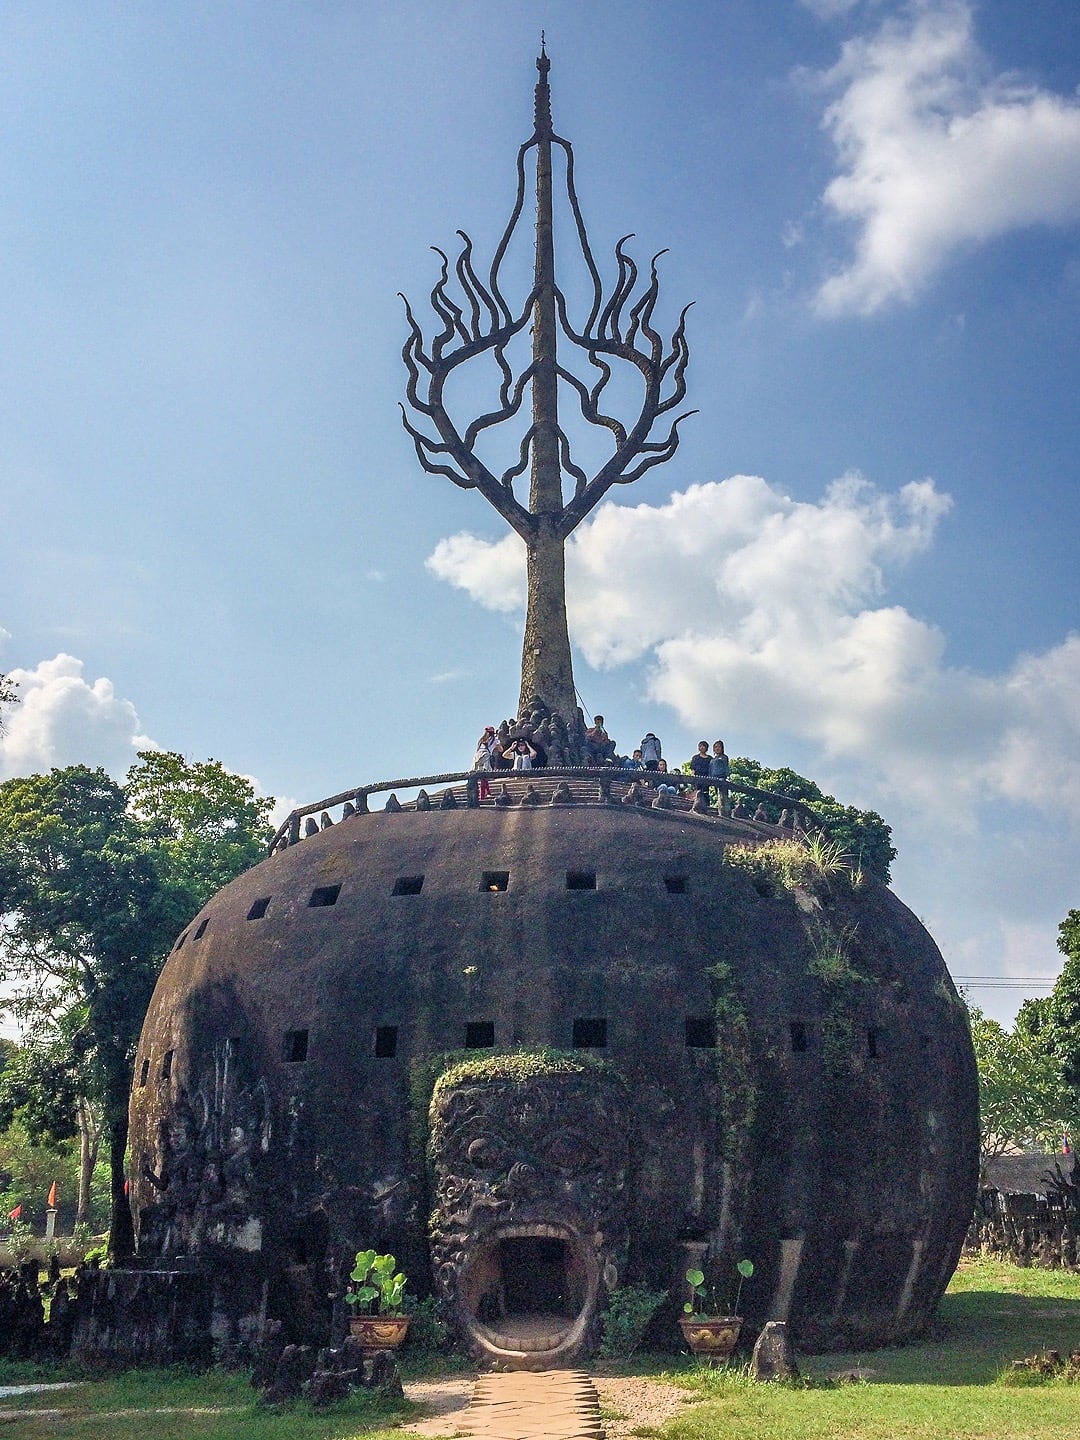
(521, 755)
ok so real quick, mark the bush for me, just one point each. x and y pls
(630, 1308)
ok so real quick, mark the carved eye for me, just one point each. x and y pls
(487, 1152)
(571, 1150)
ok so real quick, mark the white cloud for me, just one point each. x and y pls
(765, 615)
(935, 155)
(830, 9)
(62, 719)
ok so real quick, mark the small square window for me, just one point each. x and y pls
(494, 882)
(259, 909)
(675, 884)
(590, 1034)
(295, 1047)
(166, 1064)
(385, 1042)
(201, 931)
(324, 895)
(408, 885)
(480, 1035)
(144, 1072)
(800, 1037)
(700, 1032)
(581, 879)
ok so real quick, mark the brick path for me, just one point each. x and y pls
(526, 1405)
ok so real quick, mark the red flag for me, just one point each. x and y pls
(14, 1214)
(51, 1202)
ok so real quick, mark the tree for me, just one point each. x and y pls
(7, 695)
(1024, 1101)
(206, 824)
(94, 885)
(1063, 1007)
(863, 833)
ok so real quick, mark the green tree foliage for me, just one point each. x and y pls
(863, 833)
(1063, 1008)
(95, 882)
(7, 695)
(207, 824)
(1024, 1101)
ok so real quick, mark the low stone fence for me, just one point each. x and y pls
(606, 785)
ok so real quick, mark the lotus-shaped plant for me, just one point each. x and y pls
(375, 1288)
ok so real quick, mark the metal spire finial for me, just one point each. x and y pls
(480, 322)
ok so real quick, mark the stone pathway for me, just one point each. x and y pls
(525, 1405)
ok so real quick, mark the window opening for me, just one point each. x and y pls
(324, 895)
(259, 909)
(408, 885)
(581, 879)
(800, 1037)
(700, 1032)
(675, 884)
(166, 1064)
(201, 931)
(144, 1072)
(480, 1035)
(296, 1046)
(494, 881)
(590, 1034)
(385, 1042)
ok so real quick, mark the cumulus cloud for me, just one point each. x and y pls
(936, 155)
(769, 614)
(62, 719)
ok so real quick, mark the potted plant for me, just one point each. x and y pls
(710, 1332)
(375, 1293)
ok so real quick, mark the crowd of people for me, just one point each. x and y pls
(600, 751)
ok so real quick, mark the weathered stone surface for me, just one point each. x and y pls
(774, 1355)
(831, 1135)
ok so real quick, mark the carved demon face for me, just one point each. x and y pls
(529, 1216)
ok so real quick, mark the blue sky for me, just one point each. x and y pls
(861, 562)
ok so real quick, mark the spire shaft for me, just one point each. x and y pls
(545, 495)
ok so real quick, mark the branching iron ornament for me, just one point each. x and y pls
(483, 323)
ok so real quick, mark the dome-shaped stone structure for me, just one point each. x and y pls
(706, 1063)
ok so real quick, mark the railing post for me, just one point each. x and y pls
(472, 792)
(361, 802)
(294, 828)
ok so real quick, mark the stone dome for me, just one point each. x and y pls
(669, 1060)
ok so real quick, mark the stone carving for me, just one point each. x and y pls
(521, 1164)
(203, 1169)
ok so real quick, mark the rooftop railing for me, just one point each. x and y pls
(552, 785)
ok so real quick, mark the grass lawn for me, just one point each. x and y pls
(953, 1387)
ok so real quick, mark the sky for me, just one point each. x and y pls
(216, 537)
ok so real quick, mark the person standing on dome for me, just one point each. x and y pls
(719, 769)
(482, 760)
(651, 752)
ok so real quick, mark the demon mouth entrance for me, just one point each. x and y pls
(529, 1294)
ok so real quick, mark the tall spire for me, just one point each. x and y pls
(475, 321)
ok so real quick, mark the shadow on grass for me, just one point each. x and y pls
(977, 1335)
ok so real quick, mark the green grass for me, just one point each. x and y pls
(955, 1386)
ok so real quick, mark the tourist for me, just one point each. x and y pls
(482, 759)
(719, 769)
(632, 762)
(665, 789)
(699, 765)
(598, 746)
(650, 751)
(521, 755)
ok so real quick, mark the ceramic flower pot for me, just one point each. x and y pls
(713, 1337)
(379, 1332)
